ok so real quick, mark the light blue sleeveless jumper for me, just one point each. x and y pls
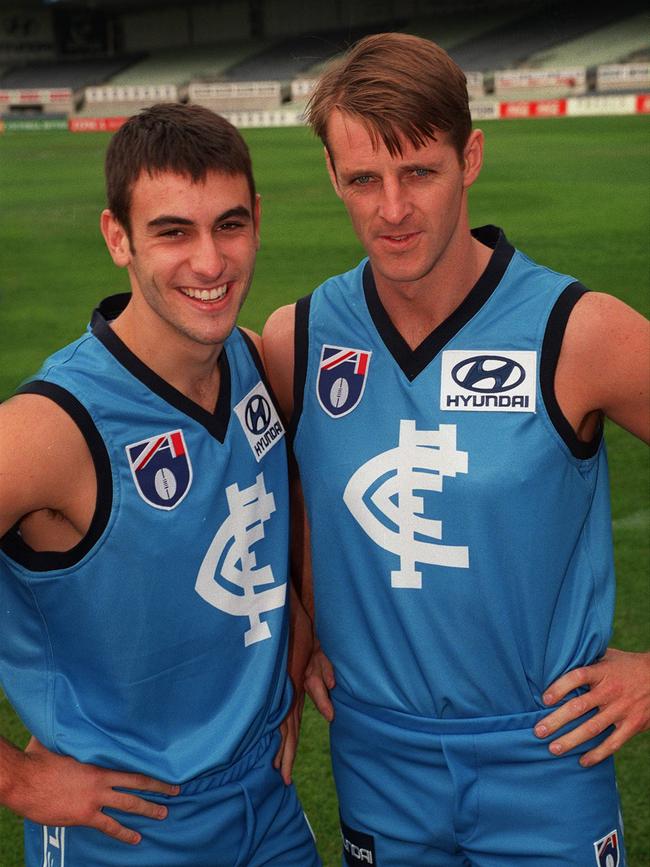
(159, 643)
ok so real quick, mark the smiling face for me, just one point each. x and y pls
(408, 210)
(190, 255)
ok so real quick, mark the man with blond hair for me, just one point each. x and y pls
(446, 399)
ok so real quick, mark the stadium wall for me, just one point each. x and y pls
(488, 110)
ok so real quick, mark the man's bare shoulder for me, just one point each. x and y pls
(280, 326)
(278, 345)
(43, 457)
(604, 363)
(39, 410)
(597, 315)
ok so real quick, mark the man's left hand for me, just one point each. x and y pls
(290, 731)
(300, 648)
(619, 688)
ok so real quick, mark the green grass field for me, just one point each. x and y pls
(573, 193)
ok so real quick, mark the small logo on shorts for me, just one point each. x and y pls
(53, 847)
(607, 852)
(358, 848)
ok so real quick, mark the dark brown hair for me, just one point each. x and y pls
(398, 85)
(168, 137)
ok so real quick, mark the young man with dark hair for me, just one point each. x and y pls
(446, 400)
(144, 581)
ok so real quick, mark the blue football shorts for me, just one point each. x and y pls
(244, 816)
(467, 793)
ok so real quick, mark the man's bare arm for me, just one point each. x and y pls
(603, 370)
(45, 466)
(604, 366)
(47, 478)
(278, 341)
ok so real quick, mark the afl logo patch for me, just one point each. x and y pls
(488, 381)
(259, 420)
(342, 374)
(161, 469)
(607, 850)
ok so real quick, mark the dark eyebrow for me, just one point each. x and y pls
(167, 219)
(240, 211)
(171, 219)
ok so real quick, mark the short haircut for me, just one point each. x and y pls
(184, 139)
(397, 85)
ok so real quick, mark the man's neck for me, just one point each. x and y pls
(190, 367)
(417, 310)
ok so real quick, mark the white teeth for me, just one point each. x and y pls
(215, 294)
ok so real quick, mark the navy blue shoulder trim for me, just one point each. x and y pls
(43, 561)
(259, 364)
(216, 423)
(300, 358)
(254, 353)
(551, 347)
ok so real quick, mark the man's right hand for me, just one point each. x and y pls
(319, 680)
(55, 790)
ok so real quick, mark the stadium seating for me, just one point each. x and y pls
(540, 30)
(494, 44)
(75, 74)
(613, 43)
(288, 58)
(179, 66)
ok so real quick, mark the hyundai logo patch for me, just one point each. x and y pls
(257, 414)
(486, 380)
(260, 421)
(488, 374)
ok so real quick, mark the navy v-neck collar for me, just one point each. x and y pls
(215, 423)
(414, 361)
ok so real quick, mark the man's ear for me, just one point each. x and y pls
(117, 240)
(473, 157)
(331, 170)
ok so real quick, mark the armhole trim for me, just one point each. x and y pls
(300, 358)
(44, 561)
(551, 347)
(259, 364)
(254, 351)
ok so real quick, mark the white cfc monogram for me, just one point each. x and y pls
(249, 509)
(421, 461)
